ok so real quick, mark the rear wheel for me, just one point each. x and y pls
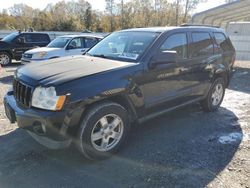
(103, 130)
(5, 58)
(215, 96)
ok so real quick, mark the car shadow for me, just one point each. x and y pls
(179, 149)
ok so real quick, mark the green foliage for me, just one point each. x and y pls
(79, 15)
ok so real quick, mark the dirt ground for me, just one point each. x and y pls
(185, 148)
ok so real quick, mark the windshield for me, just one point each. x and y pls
(10, 37)
(59, 42)
(124, 46)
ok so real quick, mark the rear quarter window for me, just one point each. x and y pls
(223, 42)
(202, 44)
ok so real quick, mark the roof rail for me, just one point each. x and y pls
(186, 25)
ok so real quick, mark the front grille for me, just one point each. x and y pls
(22, 93)
(29, 56)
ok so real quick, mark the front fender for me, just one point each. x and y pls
(100, 86)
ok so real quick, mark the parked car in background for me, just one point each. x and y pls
(67, 45)
(129, 76)
(15, 44)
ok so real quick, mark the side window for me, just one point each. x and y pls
(40, 38)
(76, 43)
(20, 37)
(222, 41)
(90, 42)
(202, 44)
(27, 38)
(176, 42)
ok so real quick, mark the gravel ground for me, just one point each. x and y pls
(185, 148)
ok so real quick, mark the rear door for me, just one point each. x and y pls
(89, 42)
(203, 57)
(39, 39)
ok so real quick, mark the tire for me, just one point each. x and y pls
(215, 96)
(95, 136)
(5, 58)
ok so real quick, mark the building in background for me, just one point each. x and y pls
(230, 16)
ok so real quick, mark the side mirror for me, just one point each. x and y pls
(70, 47)
(163, 58)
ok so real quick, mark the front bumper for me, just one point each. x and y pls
(44, 126)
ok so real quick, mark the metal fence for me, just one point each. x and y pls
(239, 33)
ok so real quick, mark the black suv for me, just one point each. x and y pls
(15, 44)
(130, 76)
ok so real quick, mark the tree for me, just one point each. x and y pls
(88, 16)
(110, 6)
(77, 15)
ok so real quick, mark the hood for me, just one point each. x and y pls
(43, 49)
(56, 71)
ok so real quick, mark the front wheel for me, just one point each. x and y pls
(103, 130)
(5, 59)
(215, 96)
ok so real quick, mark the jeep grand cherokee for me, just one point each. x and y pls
(130, 76)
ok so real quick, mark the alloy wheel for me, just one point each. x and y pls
(4, 59)
(107, 132)
(217, 94)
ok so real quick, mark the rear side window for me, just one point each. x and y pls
(90, 42)
(222, 42)
(39, 38)
(176, 42)
(202, 44)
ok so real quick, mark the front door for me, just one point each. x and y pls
(165, 82)
(75, 47)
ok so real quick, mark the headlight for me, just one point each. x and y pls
(46, 98)
(40, 54)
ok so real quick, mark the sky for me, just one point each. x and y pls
(96, 4)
